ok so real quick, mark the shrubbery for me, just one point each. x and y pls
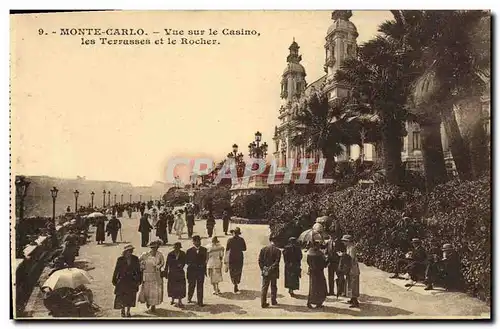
(255, 205)
(176, 197)
(384, 218)
(217, 199)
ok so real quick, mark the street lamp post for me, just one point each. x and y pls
(53, 193)
(109, 198)
(76, 193)
(256, 150)
(114, 199)
(121, 199)
(92, 199)
(130, 198)
(104, 198)
(22, 189)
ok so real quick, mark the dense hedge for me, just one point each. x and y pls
(456, 212)
(217, 199)
(176, 197)
(255, 206)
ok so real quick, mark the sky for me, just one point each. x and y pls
(121, 112)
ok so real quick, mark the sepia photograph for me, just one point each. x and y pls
(250, 165)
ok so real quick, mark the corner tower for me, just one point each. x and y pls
(340, 44)
(293, 82)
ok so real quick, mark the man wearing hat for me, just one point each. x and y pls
(269, 263)
(414, 263)
(196, 260)
(234, 257)
(447, 270)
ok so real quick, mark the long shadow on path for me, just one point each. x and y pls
(364, 310)
(164, 313)
(244, 295)
(217, 308)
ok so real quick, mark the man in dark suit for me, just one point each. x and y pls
(269, 261)
(190, 221)
(414, 263)
(196, 260)
(333, 246)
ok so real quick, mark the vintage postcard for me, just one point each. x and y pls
(251, 165)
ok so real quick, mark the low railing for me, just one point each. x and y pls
(29, 269)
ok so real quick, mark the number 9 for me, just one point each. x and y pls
(40, 31)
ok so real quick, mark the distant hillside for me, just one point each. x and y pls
(38, 201)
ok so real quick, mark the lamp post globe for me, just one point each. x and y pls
(53, 193)
(76, 193)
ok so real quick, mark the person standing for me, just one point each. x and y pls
(214, 263)
(179, 224)
(170, 220)
(317, 281)
(352, 278)
(114, 225)
(174, 272)
(129, 211)
(196, 260)
(161, 228)
(269, 264)
(142, 209)
(189, 221)
(151, 264)
(127, 278)
(292, 256)
(332, 248)
(225, 221)
(100, 233)
(210, 224)
(234, 257)
(145, 229)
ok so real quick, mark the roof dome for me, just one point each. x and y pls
(295, 68)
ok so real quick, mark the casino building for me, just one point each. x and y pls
(340, 43)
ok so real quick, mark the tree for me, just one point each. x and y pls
(319, 128)
(380, 78)
(453, 65)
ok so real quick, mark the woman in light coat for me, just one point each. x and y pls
(214, 263)
(152, 286)
(179, 223)
(352, 277)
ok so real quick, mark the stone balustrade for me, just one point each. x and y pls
(28, 270)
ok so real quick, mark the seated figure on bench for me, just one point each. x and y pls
(414, 263)
(445, 271)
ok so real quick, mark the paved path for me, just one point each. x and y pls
(380, 297)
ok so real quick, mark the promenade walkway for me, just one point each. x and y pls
(380, 296)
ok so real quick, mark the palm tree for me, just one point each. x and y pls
(379, 74)
(454, 67)
(318, 128)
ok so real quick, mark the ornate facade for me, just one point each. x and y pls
(340, 43)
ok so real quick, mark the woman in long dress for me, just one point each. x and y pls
(174, 272)
(317, 281)
(100, 233)
(151, 265)
(127, 278)
(234, 257)
(292, 256)
(352, 277)
(214, 263)
(179, 224)
(161, 228)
